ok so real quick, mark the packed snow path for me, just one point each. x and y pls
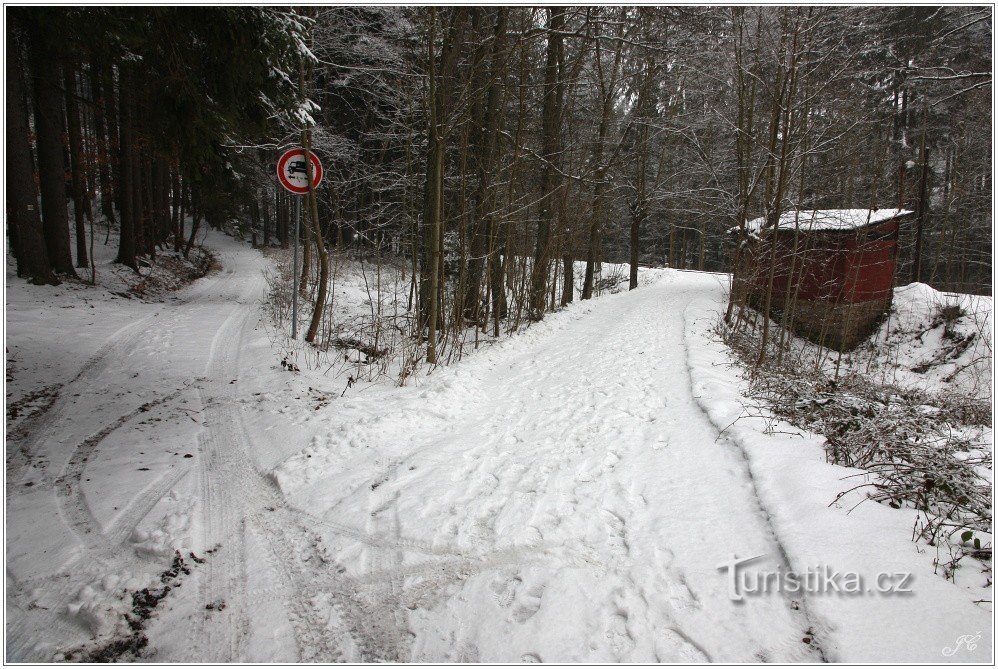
(570, 500)
(560, 497)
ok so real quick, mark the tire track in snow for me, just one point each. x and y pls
(72, 501)
(42, 425)
(219, 636)
(104, 550)
(233, 496)
(39, 428)
(102, 553)
(810, 623)
(383, 521)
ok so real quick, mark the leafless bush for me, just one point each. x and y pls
(925, 451)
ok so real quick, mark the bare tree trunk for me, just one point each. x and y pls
(126, 186)
(607, 89)
(320, 245)
(551, 136)
(431, 285)
(103, 152)
(921, 213)
(266, 218)
(51, 164)
(177, 192)
(485, 138)
(24, 223)
(81, 201)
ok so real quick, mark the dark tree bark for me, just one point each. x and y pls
(431, 265)
(150, 233)
(104, 152)
(51, 152)
(24, 223)
(195, 226)
(254, 216)
(81, 199)
(921, 212)
(485, 139)
(127, 242)
(551, 141)
(266, 219)
(136, 164)
(178, 198)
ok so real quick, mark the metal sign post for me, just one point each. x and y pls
(294, 274)
(292, 173)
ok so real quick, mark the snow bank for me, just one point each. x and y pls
(796, 487)
(939, 342)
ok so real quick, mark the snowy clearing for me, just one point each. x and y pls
(567, 494)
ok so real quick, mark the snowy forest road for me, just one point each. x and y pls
(560, 497)
(579, 500)
(65, 538)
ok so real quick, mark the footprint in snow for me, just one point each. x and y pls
(528, 604)
(504, 588)
(618, 636)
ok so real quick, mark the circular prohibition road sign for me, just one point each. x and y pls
(292, 174)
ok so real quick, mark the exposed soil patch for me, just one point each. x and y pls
(133, 645)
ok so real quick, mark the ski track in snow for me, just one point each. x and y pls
(563, 498)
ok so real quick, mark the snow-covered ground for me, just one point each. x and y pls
(939, 342)
(565, 494)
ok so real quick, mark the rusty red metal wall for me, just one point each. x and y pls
(840, 267)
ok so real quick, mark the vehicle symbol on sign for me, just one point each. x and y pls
(293, 172)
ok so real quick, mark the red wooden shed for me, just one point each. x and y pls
(832, 270)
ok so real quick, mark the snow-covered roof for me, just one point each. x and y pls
(811, 220)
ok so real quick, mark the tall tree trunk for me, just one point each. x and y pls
(24, 223)
(922, 210)
(136, 164)
(551, 142)
(178, 209)
(195, 226)
(125, 185)
(51, 152)
(320, 245)
(103, 152)
(266, 218)
(431, 266)
(81, 199)
(163, 184)
(778, 170)
(485, 138)
(254, 206)
(607, 97)
(150, 233)
(639, 208)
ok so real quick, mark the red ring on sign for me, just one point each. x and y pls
(316, 170)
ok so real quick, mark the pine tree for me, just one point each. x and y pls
(43, 32)
(24, 223)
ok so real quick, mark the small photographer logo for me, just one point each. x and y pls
(968, 641)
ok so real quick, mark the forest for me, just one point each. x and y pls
(496, 147)
(566, 309)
